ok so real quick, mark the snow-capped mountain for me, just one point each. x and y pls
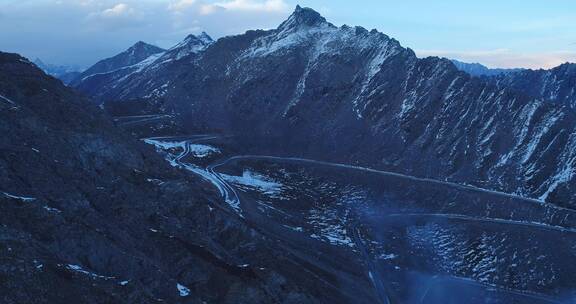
(112, 78)
(358, 96)
(557, 85)
(477, 69)
(191, 44)
(135, 54)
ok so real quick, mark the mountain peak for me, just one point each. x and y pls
(143, 46)
(204, 36)
(303, 16)
(191, 44)
(133, 55)
(202, 39)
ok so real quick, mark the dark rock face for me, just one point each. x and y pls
(135, 54)
(476, 69)
(347, 94)
(90, 215)
(557, 85)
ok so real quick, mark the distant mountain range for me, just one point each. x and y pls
(137, 58)
(476, 69)
(64, 73)
(353, 95)
(557, 85)
(135, 54)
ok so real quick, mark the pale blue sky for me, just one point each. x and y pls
(504, 33)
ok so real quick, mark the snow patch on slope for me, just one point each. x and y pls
(202, 151)
(255, 181)
(7, 100)
(329, 227)
(564, 176)
(80, 270)
(183, 290)
(20, 198)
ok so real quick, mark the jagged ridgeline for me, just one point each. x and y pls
(351, 95)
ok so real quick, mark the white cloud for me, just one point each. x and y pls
(114, 16)
(225, 17)
(118, 10)
(76, 2)
(204, 7)
(208, 9)
(181, 5)
(505, 58)
(253, 5)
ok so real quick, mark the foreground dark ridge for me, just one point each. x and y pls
(348, 95)
(91, 215)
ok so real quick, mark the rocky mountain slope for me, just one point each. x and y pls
(347, 94)
(90, 215)
(557, 85)
(476, 69)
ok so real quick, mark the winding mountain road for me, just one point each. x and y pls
(126, 121)
(483, 219)
(233, 200)
(391, 174)
(373, 272)
(226, 190)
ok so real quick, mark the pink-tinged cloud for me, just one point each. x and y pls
(208, 7)
(504, 58)
(252, 5)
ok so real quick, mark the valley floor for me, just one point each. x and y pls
(392, 237)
